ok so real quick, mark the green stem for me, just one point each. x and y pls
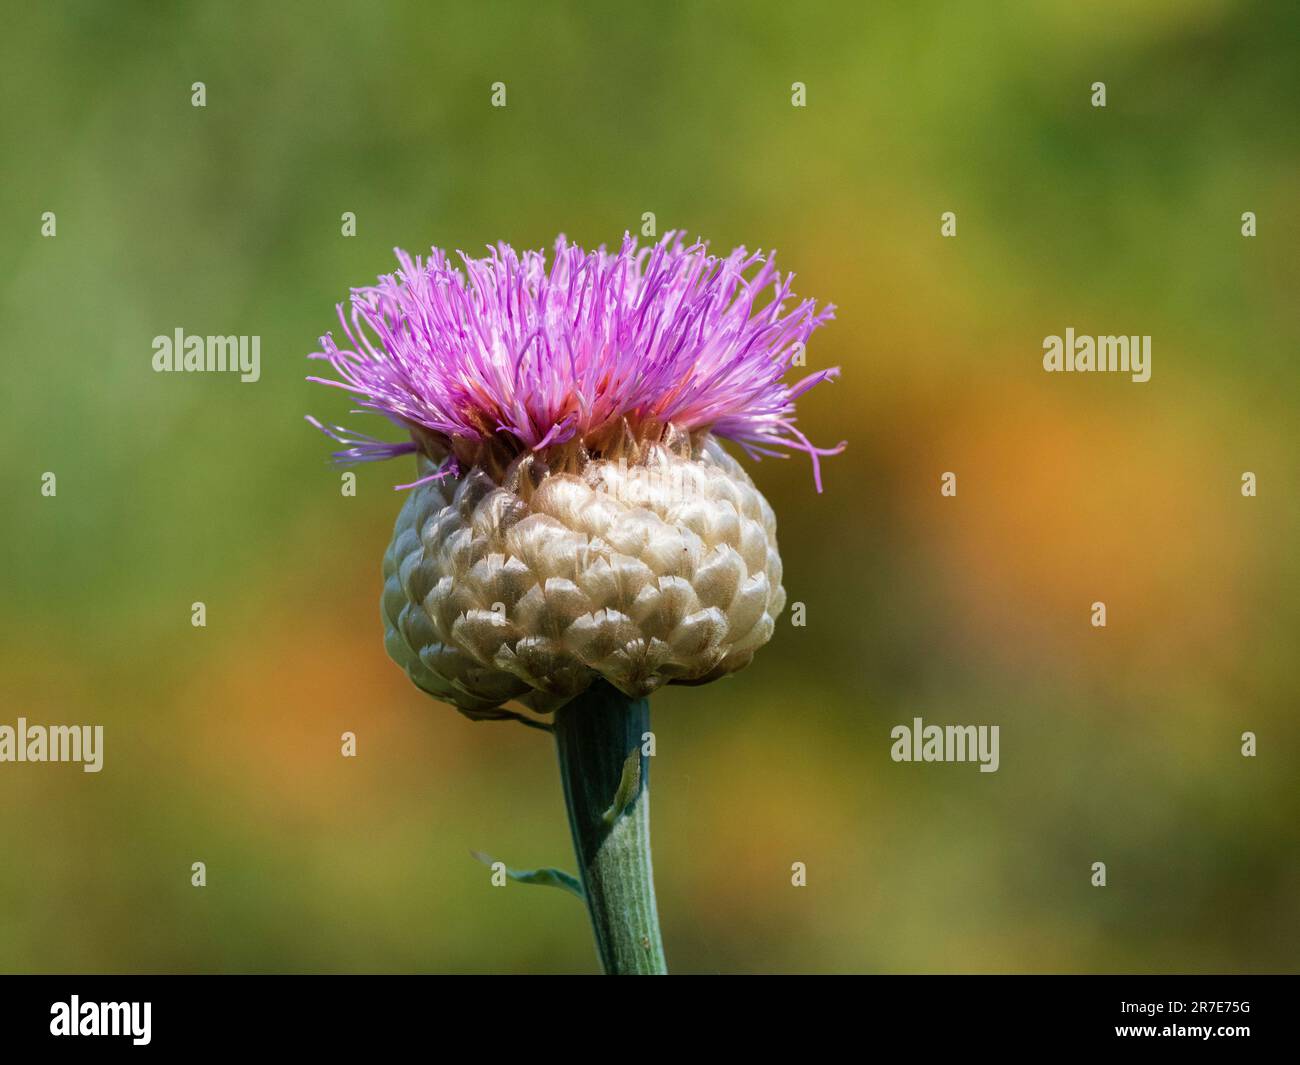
(595, 734)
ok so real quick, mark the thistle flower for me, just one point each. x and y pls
(577, 536)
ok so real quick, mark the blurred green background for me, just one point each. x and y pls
(1119, 745)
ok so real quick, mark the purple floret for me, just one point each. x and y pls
(502, 347)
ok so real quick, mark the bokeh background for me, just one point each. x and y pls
(1119, 745)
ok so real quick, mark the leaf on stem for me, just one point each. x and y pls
(628, 786)
(546, 877)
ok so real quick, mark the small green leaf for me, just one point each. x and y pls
(628, 786)
(502, 715)
(546, 877)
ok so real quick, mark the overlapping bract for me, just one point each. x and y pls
(665, 570)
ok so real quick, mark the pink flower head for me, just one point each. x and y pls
(509, 352)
